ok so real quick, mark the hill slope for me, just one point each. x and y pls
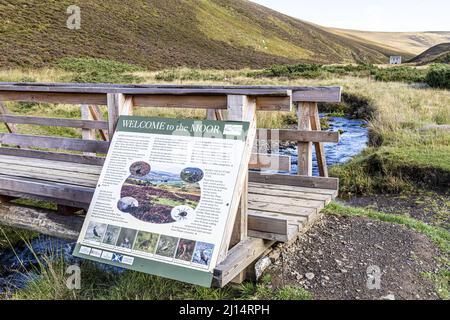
(411, 42)
(170, 33)
(439, 53)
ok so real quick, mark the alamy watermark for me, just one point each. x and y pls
(373, 277)
(74, 20)
(73, 282)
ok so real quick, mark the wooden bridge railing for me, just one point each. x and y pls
(121, 100)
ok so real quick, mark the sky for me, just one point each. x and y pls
(369, 15)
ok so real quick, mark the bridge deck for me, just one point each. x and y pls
(276, 212)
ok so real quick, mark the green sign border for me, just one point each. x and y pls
(186, 123)
(158, 268)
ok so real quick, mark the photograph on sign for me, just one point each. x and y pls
(163, 200)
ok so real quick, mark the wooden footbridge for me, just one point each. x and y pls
(273, 207)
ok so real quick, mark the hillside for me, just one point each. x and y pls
(413, 43)
(160, 34)
(439, 53)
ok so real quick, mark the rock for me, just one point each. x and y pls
(310, 275)
(388, 297)
(261, 265)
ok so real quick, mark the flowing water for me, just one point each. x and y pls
(21, 265)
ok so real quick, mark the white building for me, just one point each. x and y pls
(396, 60)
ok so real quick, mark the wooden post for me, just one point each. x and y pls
(87, 134)
(304, 148)
(242, 108)
(118, 104)
(320, 151)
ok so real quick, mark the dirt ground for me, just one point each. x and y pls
(430, 207)
(332, 259)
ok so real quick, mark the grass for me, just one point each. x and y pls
(439, 236)
(117, 284)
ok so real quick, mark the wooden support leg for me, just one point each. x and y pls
(320, 151)
(242, 108)
(9, 126)
(304, 148)
(97, 115)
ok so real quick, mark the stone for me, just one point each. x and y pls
(310, 275)
(388, 297)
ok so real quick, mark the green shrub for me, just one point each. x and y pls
(400, 74)
(80, 65)
(438, 76)
(90, 70)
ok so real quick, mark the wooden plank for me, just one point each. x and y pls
(54, 97)
(289, 186)
(320, 151)
(57, 143)
(46, 189)
(280, 208)
(79, 179)
(304, 149)
(298, 135)
(51, 164)
(144, 89)
(299, 181)
(239, 258)
(293, 231)
(316, 94)
(293, 191)
(289, 194)
(42, 221)
(294, 202)
(270, 161)
(167, 101)
(55, 122)
(56, 156)
(264, 223)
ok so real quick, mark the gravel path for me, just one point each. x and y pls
(332, 259)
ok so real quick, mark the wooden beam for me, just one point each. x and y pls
(42, 221)
(304, 152)
(49, 155)
(55, 122)
(299, 181)
(238, 259)
(297, 135)
(30, 141)
(50, 190)
(54, 97)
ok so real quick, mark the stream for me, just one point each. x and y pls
(21, 265)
